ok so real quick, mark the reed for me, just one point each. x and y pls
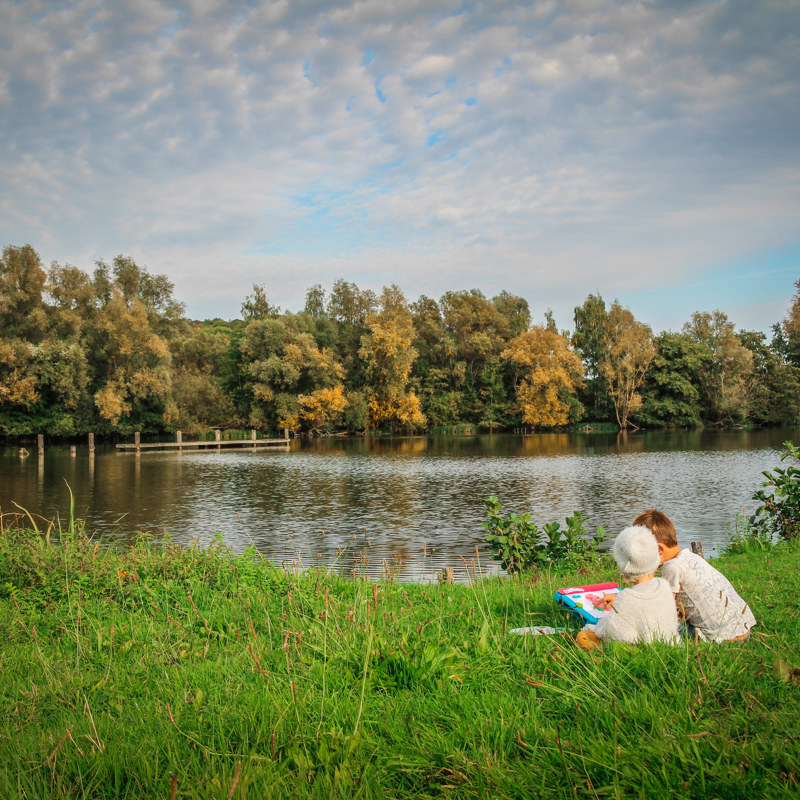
(161, 671)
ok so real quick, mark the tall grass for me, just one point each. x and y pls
(159, 671)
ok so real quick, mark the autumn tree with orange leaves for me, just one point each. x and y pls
(388, 352)
(548, 374)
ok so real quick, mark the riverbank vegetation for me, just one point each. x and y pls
(112, 352)
(159, 671)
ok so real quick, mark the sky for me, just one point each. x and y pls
(646, 151)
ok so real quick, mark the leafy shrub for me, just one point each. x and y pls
(779, 512)
(519, 544)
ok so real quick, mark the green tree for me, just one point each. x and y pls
(72, 301)
(725, 374)
(515, 311)
(476, 332)
(349, 308)
(285, 363)
(437, 377)
(670, 393)
(256, 305)
(774, 384)
(201, 366)
(589, 339)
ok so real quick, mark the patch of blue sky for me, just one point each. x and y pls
(307, 73)
(387, 168)
(763, 278)
(381, 96)
(462, 9)
(504, 67)
(436, 137)
(369, 55)
(471, 101)
(456, 153)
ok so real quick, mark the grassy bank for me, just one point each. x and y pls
(165, 672)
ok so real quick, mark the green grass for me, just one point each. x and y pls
(164, 672)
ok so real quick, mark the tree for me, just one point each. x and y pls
(322, 407)
(135, 283)
(315, 301)
(17, 383)
(475, 334)
(725, 372)
(202, 364)
(387, 351)
(791, 328)
(478, 329)
(256, 305)
(349, 308)
(548, 374)
(515, 310)
(628, 353)
(284, 364)
(670, 393)
(774, 384)
(131, 364)
(22, 282)
(589, 339)
(73, 301)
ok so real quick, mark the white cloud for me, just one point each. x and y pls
(551, 147)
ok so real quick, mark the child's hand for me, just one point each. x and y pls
(607, 601)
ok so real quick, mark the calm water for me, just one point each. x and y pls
(416, 501)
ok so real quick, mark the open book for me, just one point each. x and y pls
(580, 600)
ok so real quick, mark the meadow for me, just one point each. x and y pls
(162, 671)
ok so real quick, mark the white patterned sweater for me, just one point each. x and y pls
(710, 603)
(643, 613)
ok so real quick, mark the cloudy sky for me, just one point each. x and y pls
(645, 150)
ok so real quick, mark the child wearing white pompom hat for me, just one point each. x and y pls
(645, 612)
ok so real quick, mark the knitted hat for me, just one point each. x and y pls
(636, 551)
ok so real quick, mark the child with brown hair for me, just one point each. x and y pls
(711, 608)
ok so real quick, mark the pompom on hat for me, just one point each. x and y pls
(636, 551)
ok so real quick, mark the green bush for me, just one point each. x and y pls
(519, 544)
(779, 512)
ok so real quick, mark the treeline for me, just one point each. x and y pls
(112, 352)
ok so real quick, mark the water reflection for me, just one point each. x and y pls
(411, 505)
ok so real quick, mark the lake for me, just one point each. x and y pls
(408, 505)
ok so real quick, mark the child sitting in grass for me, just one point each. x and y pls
(645, 612)
(710, 606)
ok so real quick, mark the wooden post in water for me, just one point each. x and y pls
(697, 547)
(40, 442)
(253, 434)
(91, 443)
(179, 435)
(217, 435)
(73, 451)
(137, 440)
(286, 433)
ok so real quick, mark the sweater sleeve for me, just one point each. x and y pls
(616, 625)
